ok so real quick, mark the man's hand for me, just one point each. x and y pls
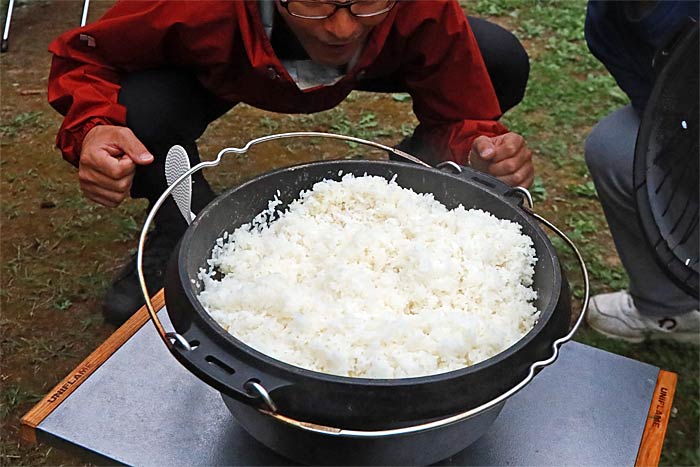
(108, 161)
(505, 157)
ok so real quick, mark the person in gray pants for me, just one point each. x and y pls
(653, 306)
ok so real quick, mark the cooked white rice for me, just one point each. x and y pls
(365, 278)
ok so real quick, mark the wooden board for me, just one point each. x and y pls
(70, 383)
(657, 420)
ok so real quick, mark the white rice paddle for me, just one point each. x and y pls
(177, 163)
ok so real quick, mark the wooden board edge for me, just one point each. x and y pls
(657, 420)
(31, 420)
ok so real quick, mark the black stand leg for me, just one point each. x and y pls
(5, 45)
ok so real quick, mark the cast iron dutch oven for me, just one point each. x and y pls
(319, 418)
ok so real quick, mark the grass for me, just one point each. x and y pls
(365, 127)
(12, 396)
(20, 122)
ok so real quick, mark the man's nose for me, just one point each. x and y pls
(343, 26)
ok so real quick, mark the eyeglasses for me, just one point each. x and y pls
(314, 9)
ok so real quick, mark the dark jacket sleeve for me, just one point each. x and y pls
(625, 37)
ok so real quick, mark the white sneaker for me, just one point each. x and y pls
(614, 315)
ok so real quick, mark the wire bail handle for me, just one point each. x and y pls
(172, 338)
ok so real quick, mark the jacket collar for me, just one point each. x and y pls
(261, 14)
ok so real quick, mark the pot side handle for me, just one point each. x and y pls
(226, 373)
(515, 195)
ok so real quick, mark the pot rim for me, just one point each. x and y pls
(284, 367)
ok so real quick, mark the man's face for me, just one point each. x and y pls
(331, 41)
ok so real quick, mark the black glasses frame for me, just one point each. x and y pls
(337, 6)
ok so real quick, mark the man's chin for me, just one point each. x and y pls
(329, 63)
(333, 59)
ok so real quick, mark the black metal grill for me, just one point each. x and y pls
(666, 170)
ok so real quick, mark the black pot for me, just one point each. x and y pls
(421, 447)
(229, 365)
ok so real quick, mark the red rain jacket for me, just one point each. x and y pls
(429, 43)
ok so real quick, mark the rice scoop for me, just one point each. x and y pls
(363, 278)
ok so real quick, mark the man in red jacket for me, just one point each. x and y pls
(149, 75)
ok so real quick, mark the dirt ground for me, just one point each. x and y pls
(59, 251)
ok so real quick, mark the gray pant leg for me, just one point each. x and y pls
(610, 156)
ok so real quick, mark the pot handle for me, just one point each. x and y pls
(333, 431)
(173, 338)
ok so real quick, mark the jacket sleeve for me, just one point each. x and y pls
(88, 62)
(453, 98)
